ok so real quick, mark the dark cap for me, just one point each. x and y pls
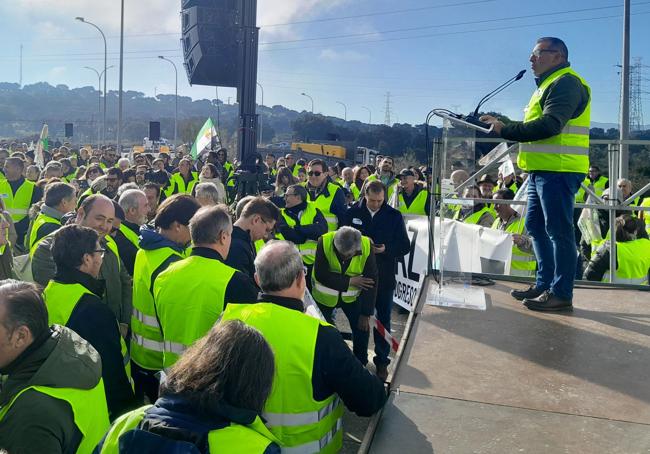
(406, 173)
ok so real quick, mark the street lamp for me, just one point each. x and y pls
(81, 19)
(345, 110)
(369, 114)
(311, 99)
(176, 110)
(261, 104)
(99, 89)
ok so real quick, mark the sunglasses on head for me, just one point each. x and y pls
(314, 173)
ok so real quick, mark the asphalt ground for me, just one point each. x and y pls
(354, 427)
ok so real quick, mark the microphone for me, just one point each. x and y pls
(496, 91)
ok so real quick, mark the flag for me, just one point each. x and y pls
(204, 139)
(41, 146)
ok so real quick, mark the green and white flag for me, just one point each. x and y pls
(41, 146)
(204, 139)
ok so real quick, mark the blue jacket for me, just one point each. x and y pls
(386, 227)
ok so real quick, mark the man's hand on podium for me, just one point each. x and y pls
(495, 122)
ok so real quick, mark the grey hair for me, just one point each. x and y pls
(123, 160)
(278, 265)
(208, 224)
(208, 191)
(242, 204)
(129, 198)
(347, 241)
(126, 187)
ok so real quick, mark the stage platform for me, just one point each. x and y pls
(509, 380)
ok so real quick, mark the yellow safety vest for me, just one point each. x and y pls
(130, 235)
(597, 186)
(633, 259)
(565, 152)
(177, 184)
(301, 423)
(39, 222)
(324, 204)
(18, 204)
(417, 206)
(474, 218)
(183, 320)
(329, 296)
(61, 299)
(89, 411)
(111, 245)
(306, 217)
(147, 340)
(235, 438)
(389, 189)
(645, 214)
(523, 263)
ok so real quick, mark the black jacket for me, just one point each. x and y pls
(386, 227)
(337, 370)
(298, 234)
(565, 99)
(92, 319)
(127, 249)
(338, 206)
(241, 255)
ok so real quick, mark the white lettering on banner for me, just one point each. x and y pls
(411, 269)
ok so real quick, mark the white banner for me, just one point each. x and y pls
(467, 248)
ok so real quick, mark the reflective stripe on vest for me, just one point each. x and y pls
(328, 296)
(567, 151)
(306, 217)
(302, 424)
(89, 411)
(250, 439)
(147, 340)
(17, 205)
(183, 321)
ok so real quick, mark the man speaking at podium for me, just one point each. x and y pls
(554, 150)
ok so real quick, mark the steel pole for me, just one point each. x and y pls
(345, 110)
(625, 94)
(119, 107)
(260, 116)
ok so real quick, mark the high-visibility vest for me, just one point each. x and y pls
(324, 204)
(177, 184)
(597, 186)
(301, 423)
(39, 222)
(183, 320)
(18, 204)
(417, 206)
(389, 189)
(645, 214)
(633, 259)
(356, 191)
(61, 299)
(474, 218)
(296, 170)
(306, 217)
(328, 296)
(147, 340)
(89, 411)
(130, 235)
(522, 263)
(564, 152)
(235, 438)
(111, 245)
(230, 171)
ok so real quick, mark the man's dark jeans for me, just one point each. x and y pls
(383, 308)
(359, 338)
(549, 220)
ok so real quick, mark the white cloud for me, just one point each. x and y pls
(342, 55)
(57, 72)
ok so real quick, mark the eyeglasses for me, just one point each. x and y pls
(538, 52)
(314, 173)
(100, 251)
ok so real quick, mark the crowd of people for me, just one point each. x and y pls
(151, 280)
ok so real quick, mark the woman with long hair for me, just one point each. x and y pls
(361, 173)
(283, 180)
(211, 399)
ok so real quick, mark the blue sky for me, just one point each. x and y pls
(435, 53)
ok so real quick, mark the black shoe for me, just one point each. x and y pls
(547, 302)
(530, 292)
(382, 371)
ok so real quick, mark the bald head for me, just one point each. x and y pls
(459, 176)
(98, 213)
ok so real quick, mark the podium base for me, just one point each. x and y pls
(462, 296)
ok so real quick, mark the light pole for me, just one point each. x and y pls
(261, 104)
(81, 19)
(176, 110)
(345, 110)
(311, 99)
(121, 91)
(369, 114)
(99, 89)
